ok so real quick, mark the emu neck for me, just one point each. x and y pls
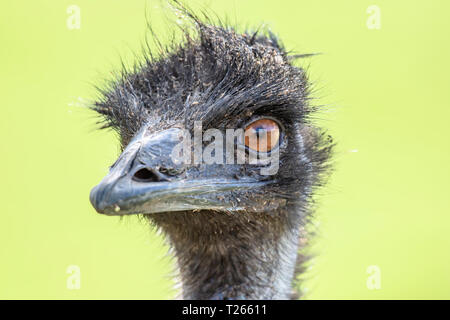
(233, 256)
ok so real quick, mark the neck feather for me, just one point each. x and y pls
(233, 255)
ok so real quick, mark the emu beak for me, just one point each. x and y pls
(136, 184)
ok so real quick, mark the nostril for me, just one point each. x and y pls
(145, 175)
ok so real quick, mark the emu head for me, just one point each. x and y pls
(234, 224)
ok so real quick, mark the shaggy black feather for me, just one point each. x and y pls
(225, 78)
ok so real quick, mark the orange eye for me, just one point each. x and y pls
(262, 135)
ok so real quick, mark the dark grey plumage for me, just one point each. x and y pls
(224, 79)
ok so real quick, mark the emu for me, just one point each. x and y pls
(235, 232)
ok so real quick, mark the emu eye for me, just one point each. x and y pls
(262, 135)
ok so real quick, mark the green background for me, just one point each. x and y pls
(387, 96)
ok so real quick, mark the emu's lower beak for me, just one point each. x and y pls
(136, 184)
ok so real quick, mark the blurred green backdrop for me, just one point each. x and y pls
(388, 94)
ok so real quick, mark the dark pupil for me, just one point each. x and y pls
(259, 130)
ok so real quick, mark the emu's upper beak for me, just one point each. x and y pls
(144, 179)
